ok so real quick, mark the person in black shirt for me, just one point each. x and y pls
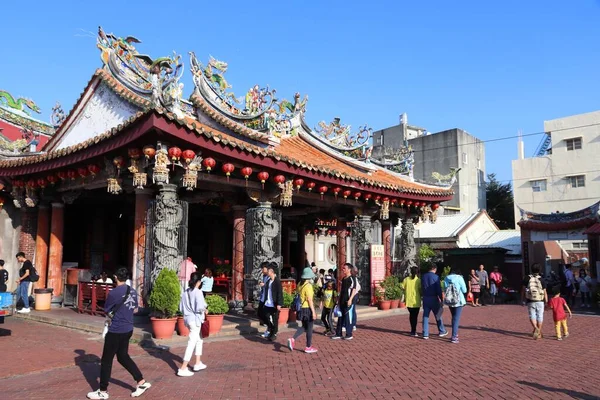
(345, 302)
(3, 277)
(24, 281)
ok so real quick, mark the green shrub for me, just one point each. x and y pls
(288, 299)
(216, 305)
(165, 295)
(394, 293)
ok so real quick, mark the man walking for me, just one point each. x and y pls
(345, 302)
(569, 290)
(24, 281)
(484, 284)
(535, 296)
(431, 291)
(261, 303)
(273, 301)
(121, 303)
(356, 299)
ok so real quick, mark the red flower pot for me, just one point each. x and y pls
(216, 322)
(402, 305)
(182, 329)
(394, 304)
(385, 304)
(163, 328)
(284, 314)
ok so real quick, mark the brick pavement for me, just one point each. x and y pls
(496, 359)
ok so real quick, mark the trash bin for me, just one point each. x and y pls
(43, 297)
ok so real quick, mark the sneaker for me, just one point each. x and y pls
(97, 395)
(454, 340)
(141, 389)
(354, 329)
(266, 334)
(336, 337)
(199, 367)
(425, 337)
(291, 343)
(272, 338)
(414, 334)
(348, 338)
(536, 333)
(310, 350)
(566, 335)
(28, 310)
(559, 338)
(184, 372)
(443, 334)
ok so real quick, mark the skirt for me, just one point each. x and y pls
(305, 314)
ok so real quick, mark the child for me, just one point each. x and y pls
(558, 306)
(3, 277)
(329, 298)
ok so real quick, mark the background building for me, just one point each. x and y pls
(439, 153)
(564, 173)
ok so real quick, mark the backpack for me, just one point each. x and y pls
(33, 275)
(296, 303)
(451, 295)
(535, 291)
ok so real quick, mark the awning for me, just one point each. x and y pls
(593, 230)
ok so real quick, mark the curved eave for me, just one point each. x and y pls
(556, 226)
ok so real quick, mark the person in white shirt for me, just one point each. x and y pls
(207, 282)
(193, 306)
(585, 284)
(104, 278)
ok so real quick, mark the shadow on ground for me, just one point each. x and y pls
(574, 394)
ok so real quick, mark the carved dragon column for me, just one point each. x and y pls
(341, 249)
(239, 227)
(142, 201)
(387, 245)
(363, 239)
(408, 253)
(169, 245)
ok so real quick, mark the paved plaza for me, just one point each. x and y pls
(496, 359)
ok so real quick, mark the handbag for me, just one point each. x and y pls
(469, 297)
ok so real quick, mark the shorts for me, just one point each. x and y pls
(536, 311)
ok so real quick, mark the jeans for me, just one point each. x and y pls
(456, 312)
(414, 317)
(117, 344)
(307, 326)
(271, 318)
(435, 307)
(344, 321)
(326, 318)
(23, 293)
(584, 296)
(353, 315)
(194, 344)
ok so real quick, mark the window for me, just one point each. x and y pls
(573, 144)
(539, 185)
(581, 245)
(464, 158)
(577, 181)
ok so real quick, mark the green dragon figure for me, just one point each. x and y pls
(7, 100)
(448, 178)
(217, 77)
(297, 106)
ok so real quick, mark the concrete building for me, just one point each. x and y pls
(439, 153)
(564, 173)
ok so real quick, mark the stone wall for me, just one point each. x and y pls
(10, 229)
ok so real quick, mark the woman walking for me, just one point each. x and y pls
(456, 305)
(474, 288)
(307, 313)
(207, 282)
(585, 283)
(412, 296)
(193, 306)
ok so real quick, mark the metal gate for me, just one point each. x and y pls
(166, 238)
(262, 243)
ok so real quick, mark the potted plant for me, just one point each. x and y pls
(390, 291)
(382, 302)
(285, 313)
(217, 307)
(164, 303)
(182, 329)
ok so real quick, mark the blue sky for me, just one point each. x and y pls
(490, 68)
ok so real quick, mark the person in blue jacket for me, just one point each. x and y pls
(456, 305)
(431, 290)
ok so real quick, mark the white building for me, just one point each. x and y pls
(564, 174)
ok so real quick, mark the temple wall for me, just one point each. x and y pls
(10, 228)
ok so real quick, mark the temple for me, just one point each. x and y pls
(137, 176)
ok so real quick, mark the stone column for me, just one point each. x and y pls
(42, 240)
(408, 254)
(57, 222)
(363, 239)
(169, 215)
(27, 235)
(341, 249)
(142, 202)
(387, 245)
(301, 260)
(237, 276)
(315, 254)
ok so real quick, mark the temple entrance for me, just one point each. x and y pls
(210, 238)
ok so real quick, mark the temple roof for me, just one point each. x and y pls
(132, 87)
(559, 220)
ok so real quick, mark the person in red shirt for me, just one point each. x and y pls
(558, 306)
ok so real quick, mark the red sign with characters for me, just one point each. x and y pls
(377, 267)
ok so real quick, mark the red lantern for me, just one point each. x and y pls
(402, 202)
(246, 171)
(394, 201)
(417, 204)
(82, 171)
(377, 198)
(52, 179)
(435, 206)
(41, 182)
(298, 182)
(188, 156)
(386, 199)
(347, 193)
(17, 183)
(307, 232)
(368, 196)
(228, 169)
(279, 179)
(357, 195)
(316, 231)
(209, 163)
(31, 183)
(72, 174)
(134, 153)
(323, 189)
(149, 151)
(336, 190)
(263, 176)
(94, 169)
(174, 153)
(118, 162)
(409, 203)
(63, 175)
(311, 186)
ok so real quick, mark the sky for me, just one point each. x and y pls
(491, 68)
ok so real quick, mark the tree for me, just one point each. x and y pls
(500, 203)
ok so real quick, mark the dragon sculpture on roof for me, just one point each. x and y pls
(7, 100)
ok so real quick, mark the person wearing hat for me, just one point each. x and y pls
(273, 301)
(307, 314)
(495, 283)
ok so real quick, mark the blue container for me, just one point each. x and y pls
(6, 300)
